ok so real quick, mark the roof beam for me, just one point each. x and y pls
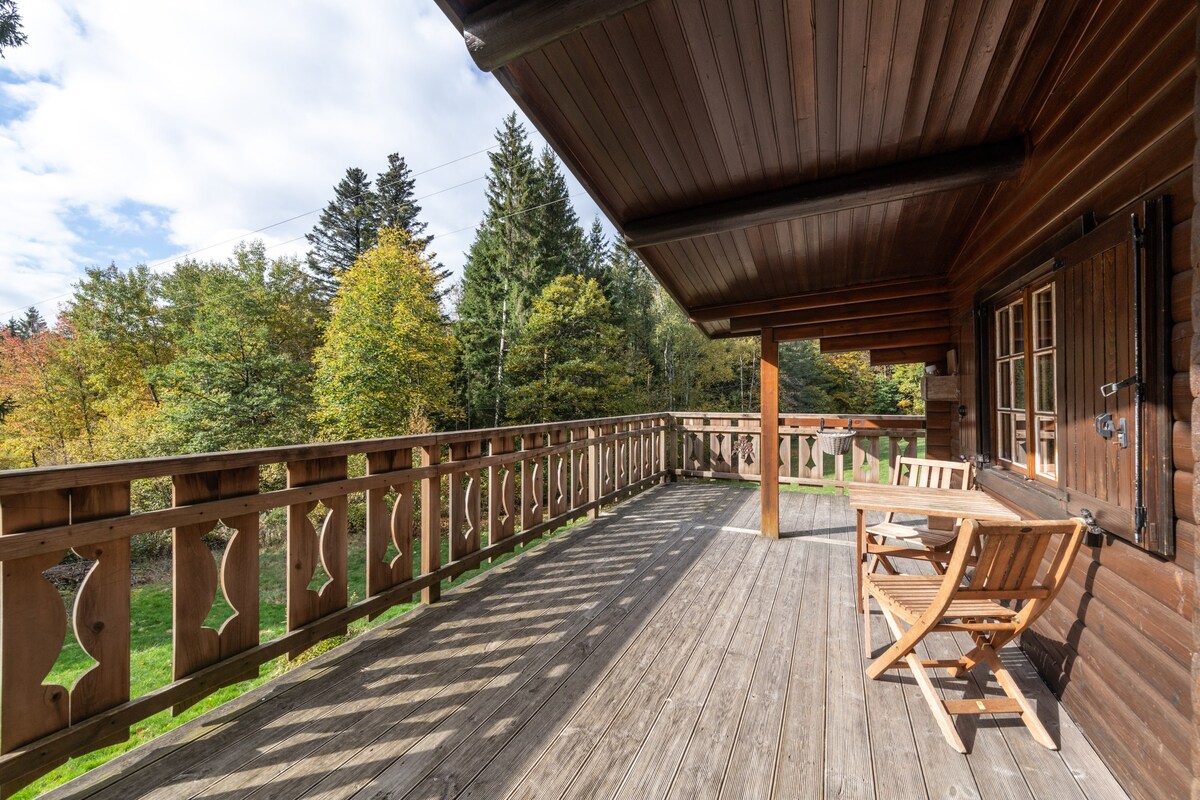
(847, 312)
(884, 341)
(908, 355)
(987, 163)
(848, 327)
(504, 30)
(872, 292)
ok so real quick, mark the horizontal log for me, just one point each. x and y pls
(971, 166)
(863, 293)
(1181, 446)
(1181, 396)
(1184, 489)
(930, 303)
(1181, 346)
(885, 341)
(505, 30)
(886, 356)
(888, 324)
(1181, 296)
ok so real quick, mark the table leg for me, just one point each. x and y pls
(860, 542)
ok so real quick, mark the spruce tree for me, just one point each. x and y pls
(497, 288)
(560, 241)
(345, 230)
(396, 206)
(10, 26)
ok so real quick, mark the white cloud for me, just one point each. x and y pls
(140, 130)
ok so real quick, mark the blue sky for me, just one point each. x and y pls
(137, 131)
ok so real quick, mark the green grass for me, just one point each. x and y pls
(150, 645)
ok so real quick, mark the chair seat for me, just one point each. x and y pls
(926, 536)
(910, 595)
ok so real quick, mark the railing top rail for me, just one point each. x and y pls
(864, 421)
(90, 474)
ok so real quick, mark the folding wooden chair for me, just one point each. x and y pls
(935, 538)
(1001, 598)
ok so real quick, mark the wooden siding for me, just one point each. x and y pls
(1119, 647)
(582, 669)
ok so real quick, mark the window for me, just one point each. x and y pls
(1026, 401)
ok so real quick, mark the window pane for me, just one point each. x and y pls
(1002, 333)
(1018, 326)
(1018, 383)
(1004, 384)
(1044, 385)
(1044, 317)
(1005, 438)
(1019, 440)
(1047, 452)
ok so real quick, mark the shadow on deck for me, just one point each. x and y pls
(660, 651)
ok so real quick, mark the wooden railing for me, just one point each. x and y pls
(500, 488)
(476, 494)
(725, 446)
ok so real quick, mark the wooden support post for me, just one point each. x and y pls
(431, 521)
(769, 456)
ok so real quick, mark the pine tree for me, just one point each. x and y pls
(596, 254)
(496, 286)
(345, 230)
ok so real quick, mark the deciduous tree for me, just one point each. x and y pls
(386, 365)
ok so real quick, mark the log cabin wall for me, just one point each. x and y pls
(1120, 643)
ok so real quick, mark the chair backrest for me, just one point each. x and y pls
(931, 472)
(1010, 560)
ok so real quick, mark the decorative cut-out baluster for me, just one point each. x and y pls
(395, 526)
(101, 614)
(305, 546)
(464, 502)
(531, 483)
(195, 577)
(559, 499)
(33, 624)
(501, 494)
(579, 469)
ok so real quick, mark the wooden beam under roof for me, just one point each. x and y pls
(848, 327)
(891, 340)
(908, 355)
(505, 30)
(868, 292)
(848, 312)
(971, 166)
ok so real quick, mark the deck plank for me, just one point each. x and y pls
(799, 767)
(663, 649)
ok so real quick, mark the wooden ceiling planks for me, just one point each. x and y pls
(673, 105)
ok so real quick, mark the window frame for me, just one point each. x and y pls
(1002, 349)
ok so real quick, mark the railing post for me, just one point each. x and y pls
(431, 521)
(769, 426)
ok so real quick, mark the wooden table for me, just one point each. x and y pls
(957, 503)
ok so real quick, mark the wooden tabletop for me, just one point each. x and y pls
(930, 502)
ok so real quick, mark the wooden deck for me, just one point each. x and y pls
(662, 651)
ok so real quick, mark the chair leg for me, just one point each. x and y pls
(943, 719)
(867, 625)
(1028, 713)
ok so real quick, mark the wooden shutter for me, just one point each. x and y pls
(1096, 284)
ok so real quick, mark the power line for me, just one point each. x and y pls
(358, 196)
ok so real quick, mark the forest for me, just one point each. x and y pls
(368, 336)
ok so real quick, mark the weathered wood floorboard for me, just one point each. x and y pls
(658, 651)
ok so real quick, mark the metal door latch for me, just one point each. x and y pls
(1109, 389)
(1106, 428)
